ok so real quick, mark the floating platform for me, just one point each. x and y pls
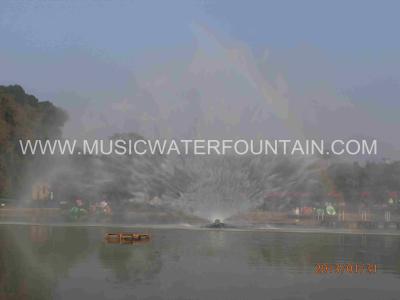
(218, 224)
(126, 237)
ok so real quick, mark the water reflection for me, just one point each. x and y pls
(42, 262)
(133, 263)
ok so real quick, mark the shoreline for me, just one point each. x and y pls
(303, 230)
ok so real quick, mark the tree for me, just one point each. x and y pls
(22, 116)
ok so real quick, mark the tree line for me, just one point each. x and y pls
(270, 182)
(23, 116)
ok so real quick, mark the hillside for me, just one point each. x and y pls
(22, 116)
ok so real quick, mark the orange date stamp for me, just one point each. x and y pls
(345, 268)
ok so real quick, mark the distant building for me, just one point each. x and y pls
(41, 192)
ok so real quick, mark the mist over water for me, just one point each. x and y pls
(224, 186)
(209, 187)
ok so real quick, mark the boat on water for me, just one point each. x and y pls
(126, 237)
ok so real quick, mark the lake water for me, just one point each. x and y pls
(63, 262)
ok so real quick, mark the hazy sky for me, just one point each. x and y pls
(210, 68)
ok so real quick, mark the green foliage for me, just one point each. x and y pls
(22, 116)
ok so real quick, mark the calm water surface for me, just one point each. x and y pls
(46, 262)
